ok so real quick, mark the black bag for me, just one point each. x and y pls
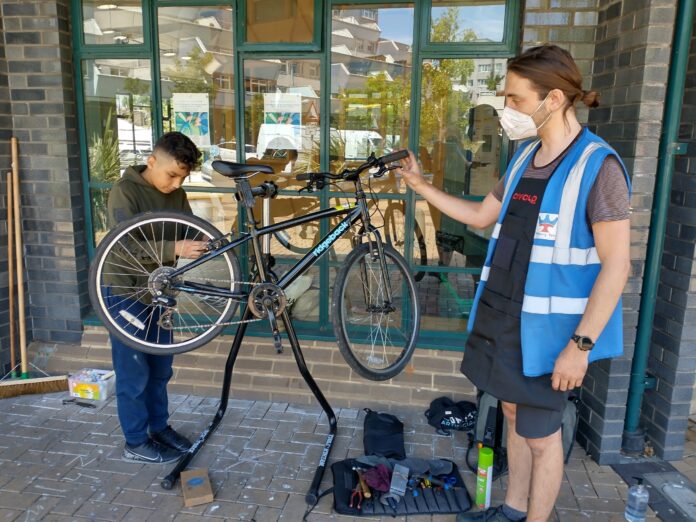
(383, 435)
(444, 414)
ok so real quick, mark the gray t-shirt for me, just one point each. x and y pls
(608, 199)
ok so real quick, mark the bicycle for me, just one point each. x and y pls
(394, 217)
(374, 309)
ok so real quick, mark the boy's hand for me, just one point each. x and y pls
(189, 249)
(411, 172)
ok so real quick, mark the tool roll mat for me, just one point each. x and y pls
(450, 496)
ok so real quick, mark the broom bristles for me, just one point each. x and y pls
(15, 387)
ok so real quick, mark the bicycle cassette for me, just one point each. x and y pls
(267, 296)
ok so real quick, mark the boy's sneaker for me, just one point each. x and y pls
(170, 438)
(490, 515)
(150, 451)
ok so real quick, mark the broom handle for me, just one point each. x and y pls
(18, 252)
(10, 268)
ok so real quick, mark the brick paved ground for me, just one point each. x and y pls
(62, 462)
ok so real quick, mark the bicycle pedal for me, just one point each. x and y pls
(277, 342)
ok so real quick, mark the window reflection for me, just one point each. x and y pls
(118, 123)
(281, 129)
(197, 70)
(467, 21)
(283, 21)
(370, 85)
(112, 23)
(459, 149)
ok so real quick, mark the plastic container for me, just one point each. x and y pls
(484, 477)
(637, 502)
(91, 384)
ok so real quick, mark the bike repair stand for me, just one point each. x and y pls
(313, 493)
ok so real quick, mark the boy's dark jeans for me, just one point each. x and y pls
(141, 378)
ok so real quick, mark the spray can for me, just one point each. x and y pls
(637, 502)
(484, 477)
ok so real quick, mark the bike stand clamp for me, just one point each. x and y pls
(313, 493)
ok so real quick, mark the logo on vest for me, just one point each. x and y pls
(529, 198)
(546, 226)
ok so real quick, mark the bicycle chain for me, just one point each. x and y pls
(229, 323)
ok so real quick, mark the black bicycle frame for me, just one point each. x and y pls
(353, 214)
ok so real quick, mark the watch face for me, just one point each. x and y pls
(585, 343)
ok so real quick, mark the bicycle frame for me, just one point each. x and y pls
(353, 213)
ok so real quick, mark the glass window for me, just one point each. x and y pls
(281, 129)
(112, 23)
(370, 83)
(118, 123)
(467, 21)
(283, 21)
(197, 70)
(460, 143)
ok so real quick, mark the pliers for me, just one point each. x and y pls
(357, 492)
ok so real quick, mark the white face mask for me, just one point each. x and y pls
(518, 125)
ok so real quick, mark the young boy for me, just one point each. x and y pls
(141, 379)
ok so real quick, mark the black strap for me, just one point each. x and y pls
(319, 497)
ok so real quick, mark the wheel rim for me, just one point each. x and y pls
(136, 264)
(379, 334)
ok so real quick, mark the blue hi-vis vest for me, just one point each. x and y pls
(564, 263)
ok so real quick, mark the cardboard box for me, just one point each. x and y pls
(92, 384)
(196, 487)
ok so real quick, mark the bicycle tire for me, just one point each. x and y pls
(392, 232)
(368, 343)
(135, 255)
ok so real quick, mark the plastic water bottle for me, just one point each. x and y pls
(637, 503)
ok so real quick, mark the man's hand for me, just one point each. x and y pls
(570, 368)
(411, 172)
(189, 249)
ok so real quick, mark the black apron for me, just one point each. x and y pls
(493, 354)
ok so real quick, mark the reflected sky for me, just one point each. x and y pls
(488, 21)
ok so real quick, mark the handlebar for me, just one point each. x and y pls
(353, 174)
(394, 156)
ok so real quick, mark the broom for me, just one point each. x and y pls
(25, 384)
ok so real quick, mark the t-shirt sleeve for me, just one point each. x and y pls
(499, 189)
(609, 199)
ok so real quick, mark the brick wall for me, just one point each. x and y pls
(39, 71)
(5, 133)
(673, 350)
(567, 23)
(630, 69)
(262, 374)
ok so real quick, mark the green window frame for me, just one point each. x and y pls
(318, 49)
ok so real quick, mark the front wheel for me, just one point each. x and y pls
(140, 304)
(376, 329)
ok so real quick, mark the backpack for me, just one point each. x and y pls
(444, 415)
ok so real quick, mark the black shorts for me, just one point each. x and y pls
(493, 363)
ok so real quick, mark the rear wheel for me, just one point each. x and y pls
(137, 300)
(376, 330)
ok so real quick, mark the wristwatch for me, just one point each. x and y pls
(584, 343)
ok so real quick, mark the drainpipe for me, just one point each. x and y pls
(634, 436)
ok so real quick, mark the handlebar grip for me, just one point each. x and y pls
(304, 176)
(394, 156)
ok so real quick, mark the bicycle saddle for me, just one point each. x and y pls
(237, 170)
